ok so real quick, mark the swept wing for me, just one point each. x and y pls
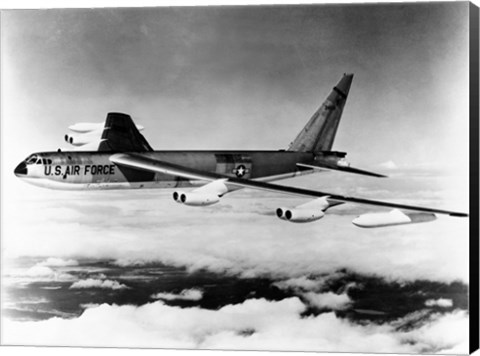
(143, 162)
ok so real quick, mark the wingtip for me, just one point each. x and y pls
(458, 215)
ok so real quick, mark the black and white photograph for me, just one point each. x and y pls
(255, 177)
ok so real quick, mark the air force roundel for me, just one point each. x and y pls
(240, 171)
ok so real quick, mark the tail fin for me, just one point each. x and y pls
(121, 135)
(319, 133)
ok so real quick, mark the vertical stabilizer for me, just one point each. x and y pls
(319, 133)
(121, 135)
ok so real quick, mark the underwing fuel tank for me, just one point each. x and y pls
(394, 217)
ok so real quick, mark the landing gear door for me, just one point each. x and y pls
(234, 165)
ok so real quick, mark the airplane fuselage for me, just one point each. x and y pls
(94, 170)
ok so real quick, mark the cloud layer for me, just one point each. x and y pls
(240, 235)
(254, 324)
(58, 262)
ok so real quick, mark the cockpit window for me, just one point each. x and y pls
(32, 159)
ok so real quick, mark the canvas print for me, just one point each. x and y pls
(284, 178)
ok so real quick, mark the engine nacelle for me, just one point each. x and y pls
(195, 199)
(300, 215)
(83, 139)
(310, 211)
(392, 218)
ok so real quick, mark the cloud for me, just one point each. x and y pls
(186, 294)
(51, 287)
(300, 283)
(58, 262)
(328, 300)
(97, 283)
(441, 302)
(27, 301)
(313, 283)
(40, 272)
(51, 269)
(131, 262)
(255, 324)
(445, 334)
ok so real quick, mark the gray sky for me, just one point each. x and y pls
(242, 78)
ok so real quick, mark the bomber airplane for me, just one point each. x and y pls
(115, 155)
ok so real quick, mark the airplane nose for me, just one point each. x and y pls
(21, 169)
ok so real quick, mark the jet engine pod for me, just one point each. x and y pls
(302, 215)
(82, 139)
(310, 211)
(195, 199)
(394, 217)
(281, 213)
(69, 139)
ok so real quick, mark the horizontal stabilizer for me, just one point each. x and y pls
(341, 169)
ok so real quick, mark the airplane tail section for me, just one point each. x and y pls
(121, 135)
(319, 133)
